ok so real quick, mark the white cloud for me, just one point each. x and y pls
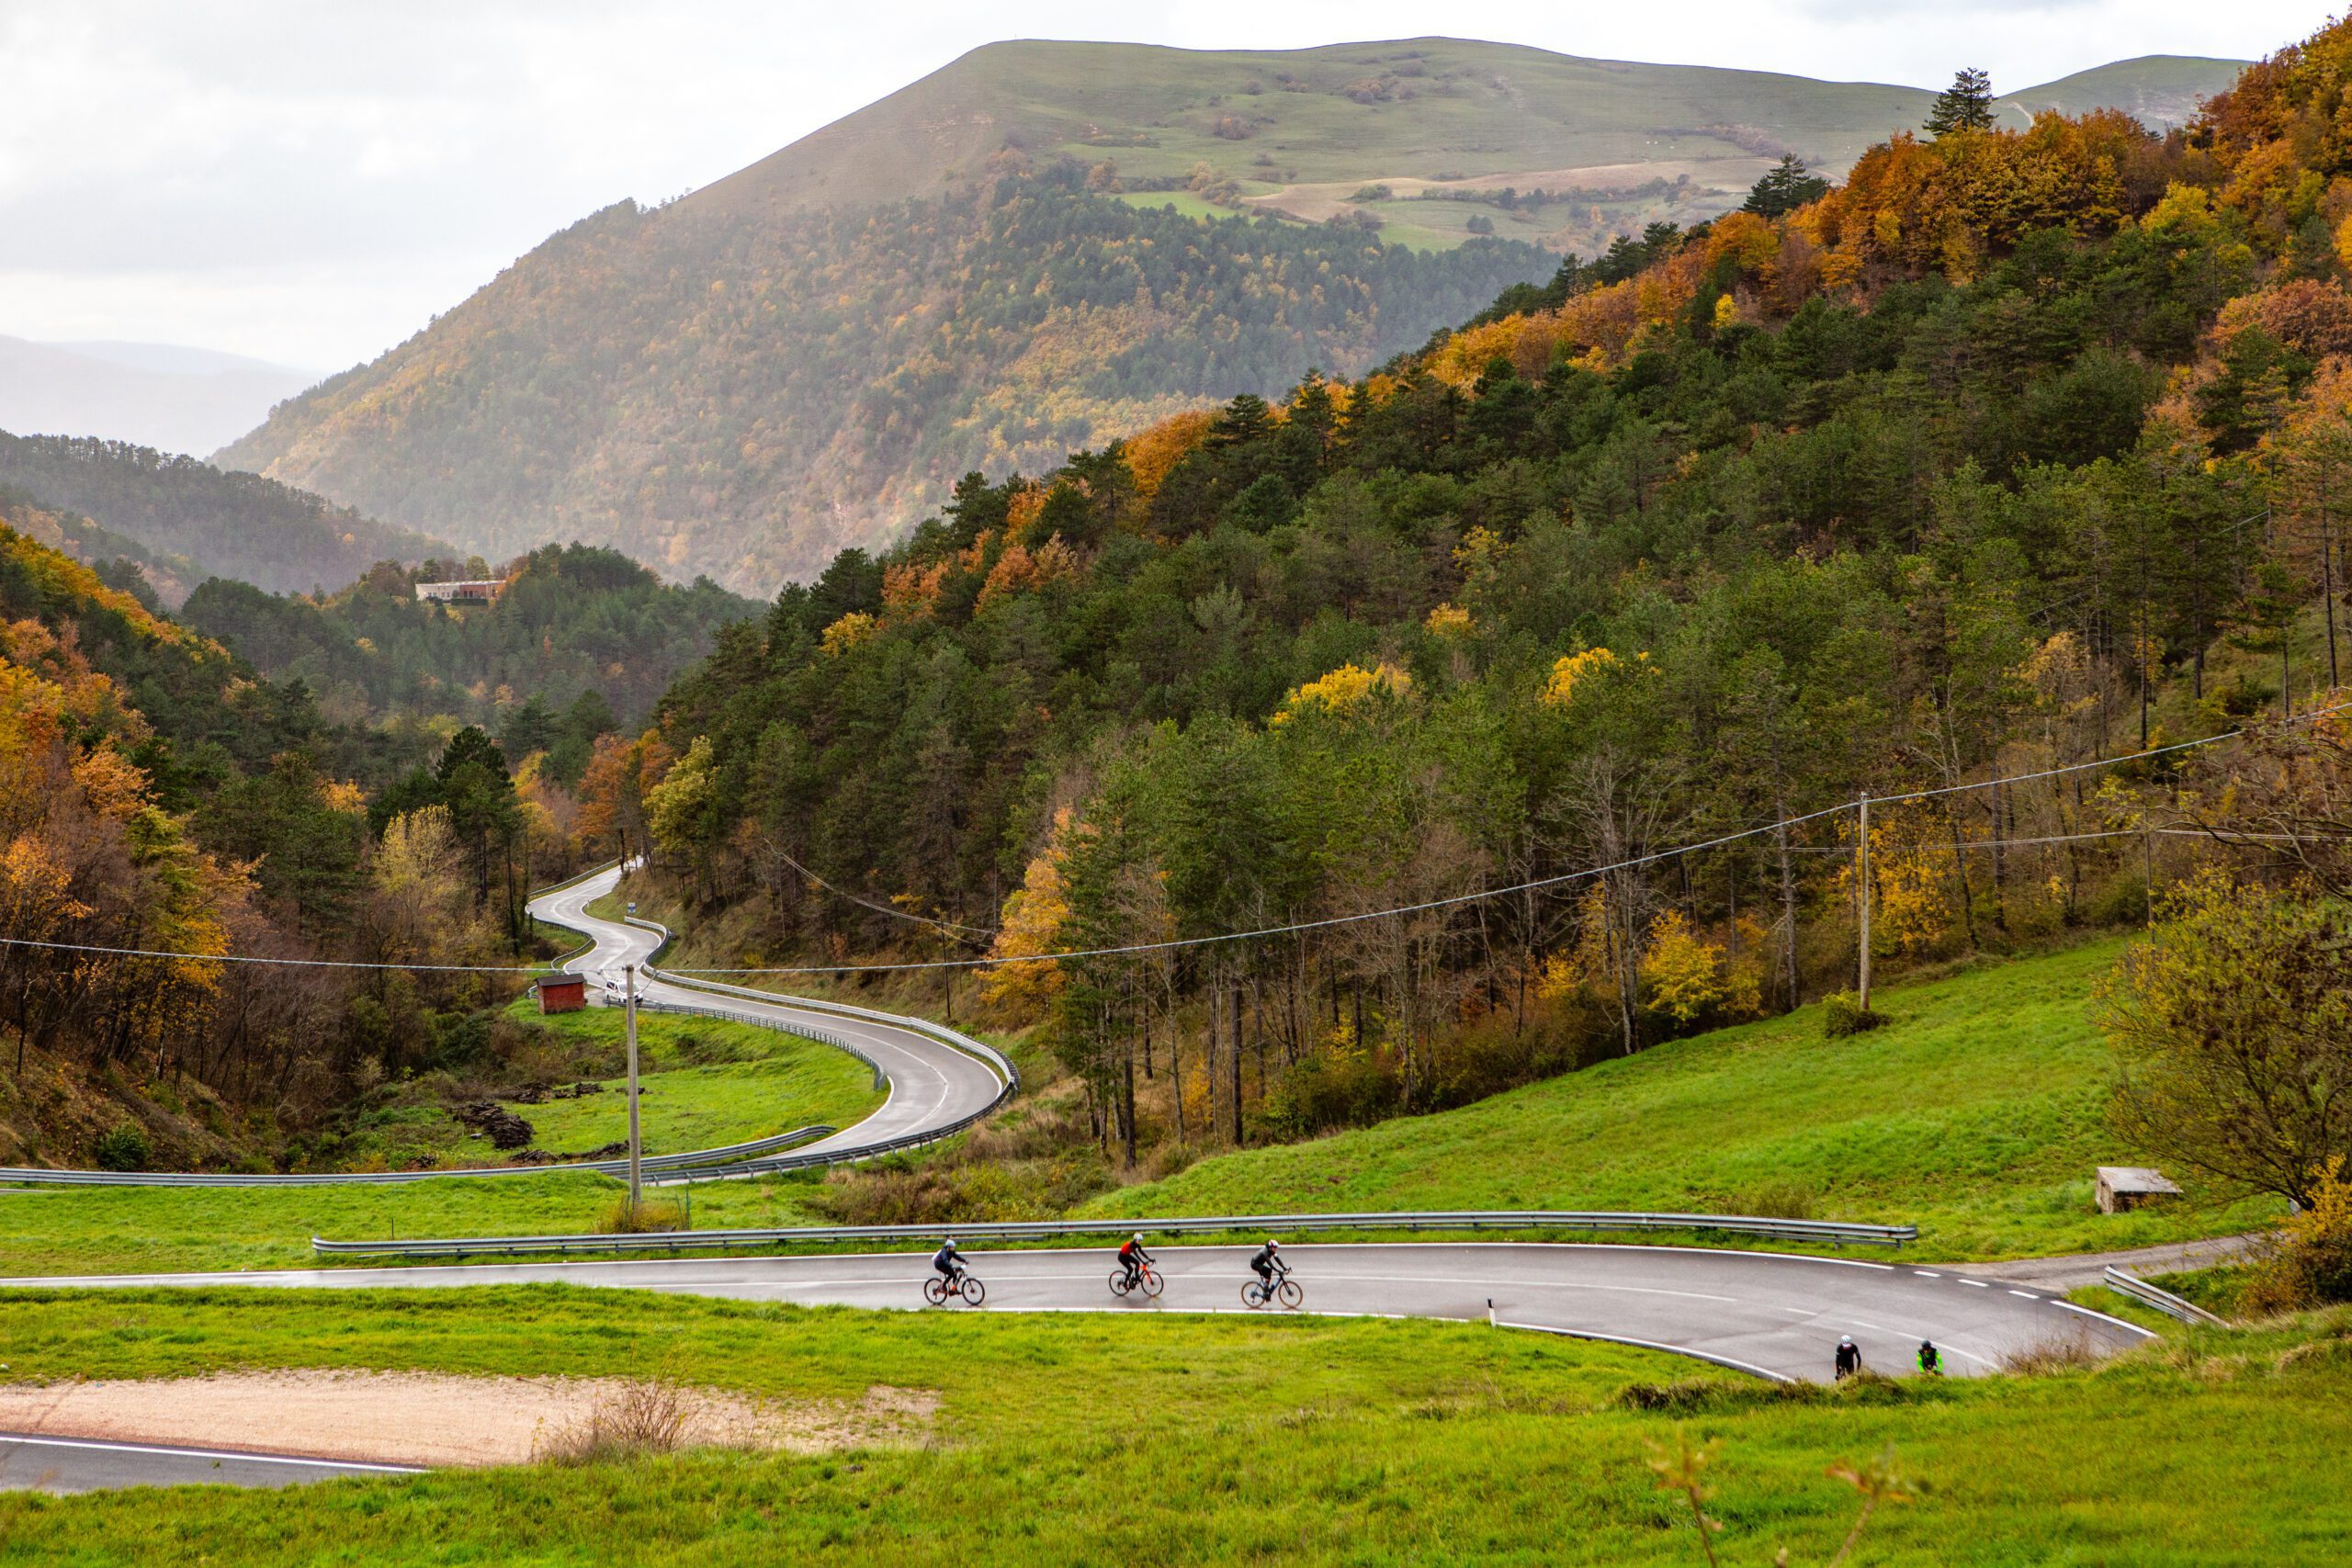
(308, 182)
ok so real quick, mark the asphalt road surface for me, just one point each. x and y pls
(30, 1462)
(1774, 1314)
(932, 1085)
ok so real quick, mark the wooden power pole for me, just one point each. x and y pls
(1862, 892)
(634, 1147)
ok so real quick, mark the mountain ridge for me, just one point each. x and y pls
(1027, 253)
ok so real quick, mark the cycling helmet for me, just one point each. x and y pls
(1272, 1245)
(1138, 1238)
(1845, 1340)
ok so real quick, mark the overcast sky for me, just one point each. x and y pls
(307, 183)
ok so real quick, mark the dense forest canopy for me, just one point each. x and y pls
(571, 620)
(199, 521)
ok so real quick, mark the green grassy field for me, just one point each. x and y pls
(1163, 1439)
(142, 1230)
(751, 1082)
(1978, 1114)
(705, 1082)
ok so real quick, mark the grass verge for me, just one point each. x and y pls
(1081, 1438)
(1977, 1113)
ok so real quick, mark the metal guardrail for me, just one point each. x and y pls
(1831, 1231)
(730, 1157)
(2161, 1300)
(955, 1040)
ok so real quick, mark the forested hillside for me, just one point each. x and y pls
(575, 627)
(2018, 449)
(197, 521)
(741, 393)
(158, 796)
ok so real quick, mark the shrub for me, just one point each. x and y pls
(649, 1215)
(121, 1149)
(2309, 1263)
(638, 1418)
(1780, 1200)
(1843, 1014)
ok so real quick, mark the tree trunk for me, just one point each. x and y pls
(1233, 1007)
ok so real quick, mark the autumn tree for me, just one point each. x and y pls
(2233, 1033)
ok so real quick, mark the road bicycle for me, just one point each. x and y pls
(938, 1288)
(1284, 1289)
(1146, 1279)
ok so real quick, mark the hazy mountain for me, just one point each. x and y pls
(190, 520)
(1032, 251)
(180, 400)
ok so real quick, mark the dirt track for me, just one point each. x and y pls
(429, 1417)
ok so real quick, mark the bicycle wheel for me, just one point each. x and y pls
(1253, 1294)
(1290, 1292)
(1118, 1282)
(934, 1290)
(974, 1291)
(1152, 1283)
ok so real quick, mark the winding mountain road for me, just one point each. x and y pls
(932, 1085)
(1773, 1315)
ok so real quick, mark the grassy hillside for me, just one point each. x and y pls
(705, 1082)
(1301, 129)
(1977, 1114)
(1365, 1442)
(225, 524)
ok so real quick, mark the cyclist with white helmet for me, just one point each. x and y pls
(1131, 1257)
(1265, 1261)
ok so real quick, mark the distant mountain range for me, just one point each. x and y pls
(1033, 249)
(179, 400)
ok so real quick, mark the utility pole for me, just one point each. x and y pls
(634, 1190)
(1862, 891)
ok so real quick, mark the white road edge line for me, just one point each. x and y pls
(1736, 1365)
(17, 1440)
(2103, 1317)
(1976, 1284)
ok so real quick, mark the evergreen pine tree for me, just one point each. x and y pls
(1784, 188)
(1966, 105)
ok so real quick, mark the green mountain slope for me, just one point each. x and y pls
(742, 396)
(1301, 131)
(806, 353)
(197, 521)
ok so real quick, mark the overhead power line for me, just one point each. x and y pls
(996, 961)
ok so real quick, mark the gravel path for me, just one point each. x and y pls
(2089, 1268)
